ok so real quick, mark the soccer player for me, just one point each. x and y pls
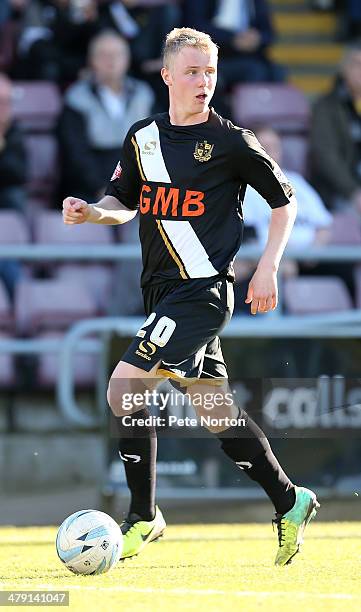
(186, 172)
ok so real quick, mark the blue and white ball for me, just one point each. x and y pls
(89, 542)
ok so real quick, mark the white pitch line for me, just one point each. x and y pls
(182, 592)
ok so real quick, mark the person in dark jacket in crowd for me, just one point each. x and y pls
(54, 38)
(13, 170)
(12, 152)
(145, 27)
(98, 111)
(243, 29)
(336, 138)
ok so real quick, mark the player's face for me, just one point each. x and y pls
(352, 73)
(192, 78)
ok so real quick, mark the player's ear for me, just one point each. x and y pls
(165, 74)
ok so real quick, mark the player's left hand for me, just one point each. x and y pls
(262, 291)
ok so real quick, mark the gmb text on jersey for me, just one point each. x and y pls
(171, 201)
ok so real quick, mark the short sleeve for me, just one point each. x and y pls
(254, 167)
(125, 183)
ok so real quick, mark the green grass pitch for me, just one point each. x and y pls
(199, 567)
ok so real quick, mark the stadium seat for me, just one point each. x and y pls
(42, 150)
(6, 315)
(13, 228)
(97, 278)
(44, 305)
(315, 294)
(37, 105)
(85, 366)
(50, 229)
(282, 106)
(345, 229)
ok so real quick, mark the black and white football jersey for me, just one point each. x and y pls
(188, 183)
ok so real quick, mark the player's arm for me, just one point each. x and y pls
(262, 290)
(108, 211)
(120, 204)
(264, 175)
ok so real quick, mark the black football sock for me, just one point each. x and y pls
(249, 448)
(138, 450)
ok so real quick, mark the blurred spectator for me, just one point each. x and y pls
(17, 7)
(349, 19)
(12, 153)
(336, 138)
(243, 29)
(12, 172)
(353, 18)
(312, 225)
(54, 39)
(145, 27)
(313, 219)
(98, 112)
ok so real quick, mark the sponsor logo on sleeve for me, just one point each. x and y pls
(117, 172)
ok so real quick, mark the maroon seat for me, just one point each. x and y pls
(50, 229)
(96, 278)
(345, 228)
(43, 305)
(282, 106)
(13, 228)
(42, 150)
(37, 105)
(85, 369)
(315, 294)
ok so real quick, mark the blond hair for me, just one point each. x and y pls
(179, 38)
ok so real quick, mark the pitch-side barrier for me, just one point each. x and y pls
(342, 325)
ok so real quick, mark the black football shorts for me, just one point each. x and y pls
(181, 331)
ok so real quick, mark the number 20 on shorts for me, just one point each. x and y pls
(162, 331)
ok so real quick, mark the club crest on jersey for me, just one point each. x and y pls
(203, 151)
(117, 172)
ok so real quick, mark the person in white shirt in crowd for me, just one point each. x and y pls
(312, 225)
(98, 112)
(313, 219)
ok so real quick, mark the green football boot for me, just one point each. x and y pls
(291, 525)
(138, 533)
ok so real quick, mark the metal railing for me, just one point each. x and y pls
(344, 324)
(116, 252)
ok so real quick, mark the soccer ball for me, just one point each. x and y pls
(89, 542)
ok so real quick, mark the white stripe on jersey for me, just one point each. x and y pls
(189, 248)
(151, 156)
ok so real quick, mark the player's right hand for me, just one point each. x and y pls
(75, 211)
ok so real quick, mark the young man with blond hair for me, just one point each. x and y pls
(186, 172)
